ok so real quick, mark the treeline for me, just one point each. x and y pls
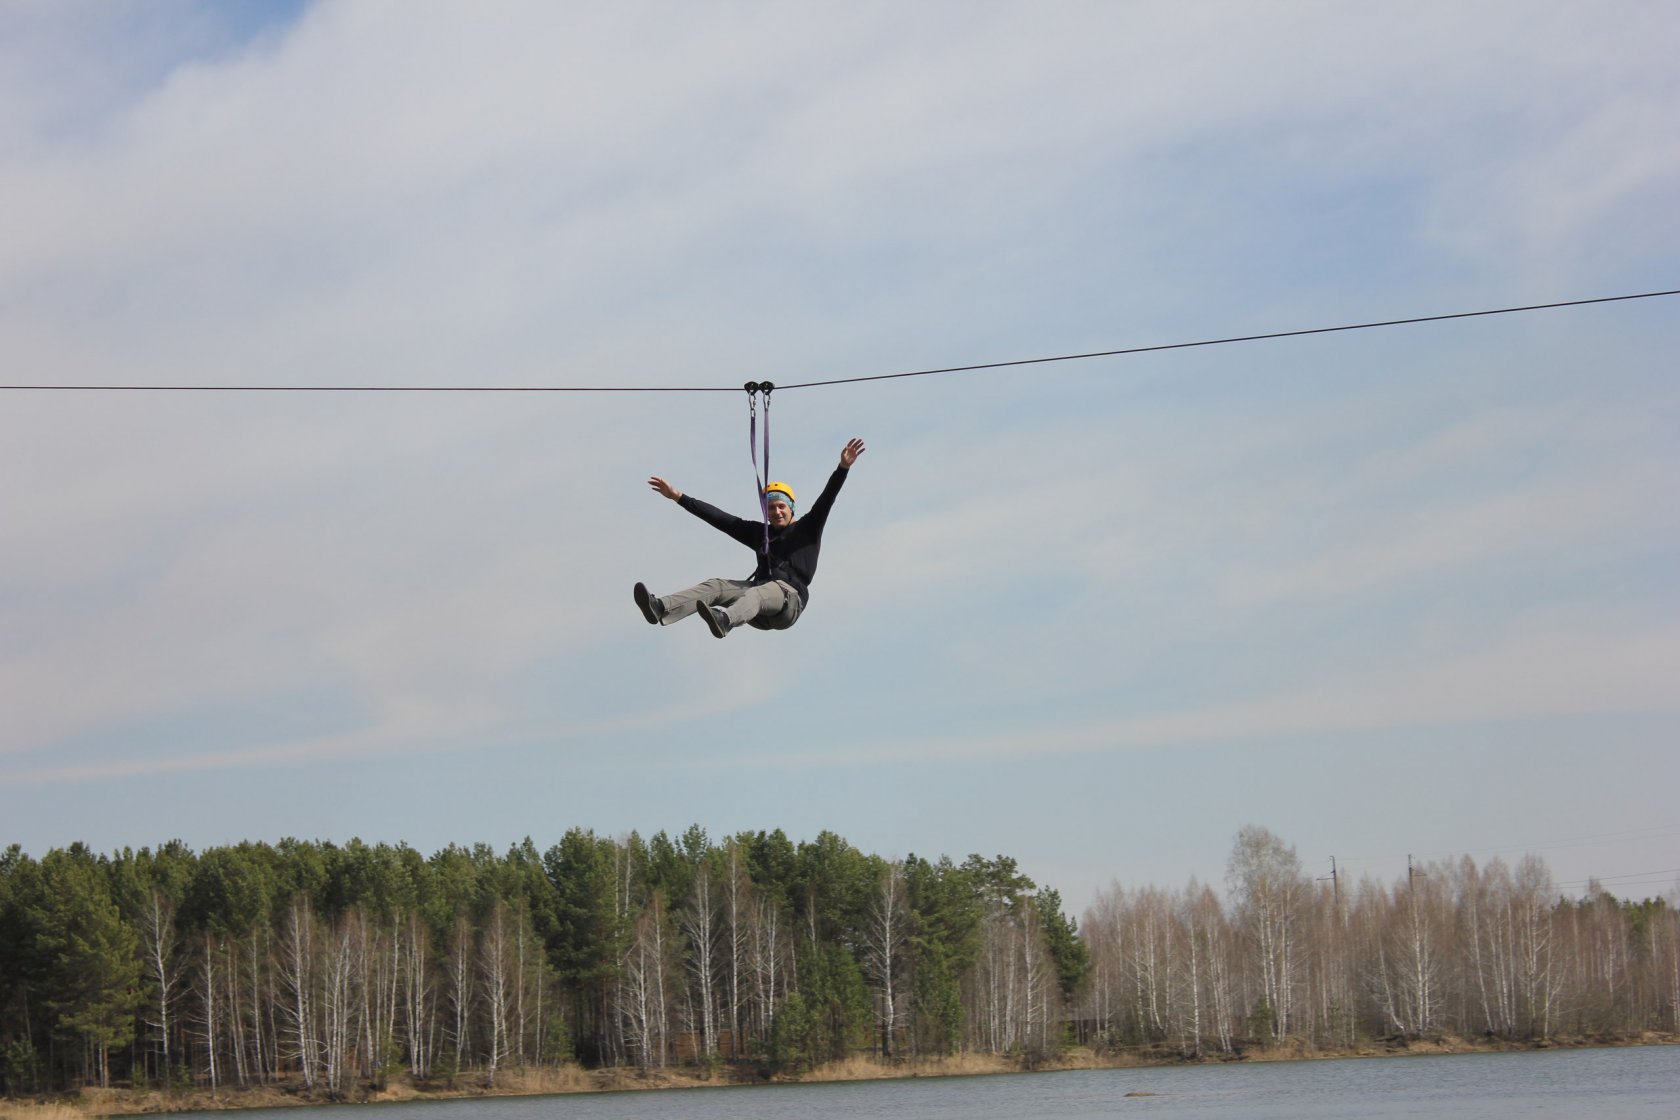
(1450, 948)
(336, 968)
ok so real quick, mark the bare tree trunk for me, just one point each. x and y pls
(207, 1000)
(392, 989)
(700, 924)
(1191, 1038)
(735, 909)
(1035, 970)
(520, 1023)
(661, 985)
(1266, 877)
(236, 1033)
(1538, 968)
(644, 986)
(369, 1008)
(417, 991)
(459, 972)
(254, 958)
(494, 974)
(297, 976)
(341, 1004)
(885, 949)
(158, 936)
(766, 959)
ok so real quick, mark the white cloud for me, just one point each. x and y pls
(1448, 534)
(1522, 677)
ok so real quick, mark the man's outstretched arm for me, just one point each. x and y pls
(728, 523)
(818, 513)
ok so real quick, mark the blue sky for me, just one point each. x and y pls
(1408, 591)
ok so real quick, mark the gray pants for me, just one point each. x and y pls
(763, 606)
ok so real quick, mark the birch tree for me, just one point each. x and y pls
(645, 973)
(700, 926)
(1208, 958)
(1265, 877)
(157, 934)
(1414, 953)
(886, 936)
(1538, 969)
(209, 1018)
(297, 955)
(497, 972)
(1103, 936)
(458, 988)
(769, 956)
(737, 920)
(340, 1003)
(1149, 959)
(418, 996)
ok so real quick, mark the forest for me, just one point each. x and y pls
(336, 969)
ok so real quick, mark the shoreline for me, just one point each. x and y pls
(566, 1080)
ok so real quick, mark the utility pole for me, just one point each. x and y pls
(1335, 884)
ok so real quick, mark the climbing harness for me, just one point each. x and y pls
(754, 388)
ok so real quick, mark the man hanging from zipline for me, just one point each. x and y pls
(777, 591)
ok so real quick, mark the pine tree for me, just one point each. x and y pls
(94, 959)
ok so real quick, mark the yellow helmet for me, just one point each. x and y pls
(780, 488)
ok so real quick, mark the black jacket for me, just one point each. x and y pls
(793, 548)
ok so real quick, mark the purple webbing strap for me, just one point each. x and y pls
(763, 494)
(752, 448)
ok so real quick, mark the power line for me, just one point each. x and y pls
(1612, 880)
(1622, 889)
(1648, 833)
(1225, 341)
(833, 381)
(380, 388)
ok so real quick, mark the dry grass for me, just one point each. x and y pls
(853, 1069)
(128, 1102)
(874, 1069)
(509, 1083)
(30, 1110)
(628, 1077)
(534, 1082)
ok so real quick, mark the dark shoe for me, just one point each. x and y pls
(716, 620)
(652, 609)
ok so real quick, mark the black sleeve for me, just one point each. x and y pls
(820, 507)
(749, 533)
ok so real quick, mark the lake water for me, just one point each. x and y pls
(1636, 1083)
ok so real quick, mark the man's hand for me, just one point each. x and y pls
(849, 453)
(664, 488)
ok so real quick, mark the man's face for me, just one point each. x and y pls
(780, 514)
